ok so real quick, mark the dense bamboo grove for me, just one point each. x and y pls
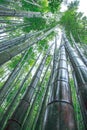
(43, 65)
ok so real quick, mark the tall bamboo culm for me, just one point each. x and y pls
(59, 113)
(81, 77)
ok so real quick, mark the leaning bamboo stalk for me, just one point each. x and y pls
(81, 76)
(16, 41)
(19, 114)
(28, 119)
(38, 121)
(79, 51)
(15, 25)
(55, 55)
(11, 22)
(14, 28)
(15, 13)
(6, 114)
(11, 82)
(4, 8)
(11, 52)
(6, 87)
(33, 3)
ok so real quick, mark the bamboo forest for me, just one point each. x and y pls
(43, 65)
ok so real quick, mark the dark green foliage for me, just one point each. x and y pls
(35, 24)
(73, 5)
(2, 1)
(42, 44)
(54, 5)
(29, 7)
(14, 62)
(42, 5)
(30, 51)
(72, 21)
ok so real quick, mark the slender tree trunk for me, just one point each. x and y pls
(11, 52)
(9, 109)
(81, 76)
(15, 25)
(19, 114)
(84, 47)
(14, 28)
(4, 8)
(7, 86)
(37, 124)
(27, 121)
(32, 3)
(79, 99)
(59, 113)
(79, 51)
(10, 21)
(15, 13)
(81, 54)
(16, 41)
(38, 120)
(54, 58)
